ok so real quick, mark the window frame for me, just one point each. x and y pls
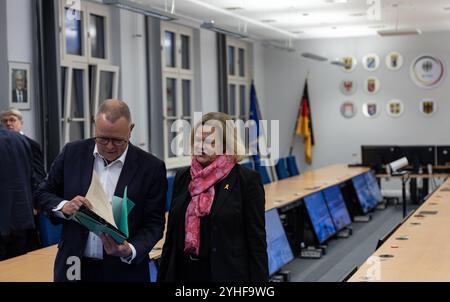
(85, 62)
(97, 70)
(87, 8)
(62, 25)
(67, 119)
(238, 80)
(179, 74)
(102, 11)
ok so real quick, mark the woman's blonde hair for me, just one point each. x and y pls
(232, 145)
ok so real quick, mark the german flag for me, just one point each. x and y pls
(304, 125)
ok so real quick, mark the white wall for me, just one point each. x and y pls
(130, 54)
(20, 47)
(3, 57)
(133, 76)
(208, 73)
(257, 66)
(336, 137)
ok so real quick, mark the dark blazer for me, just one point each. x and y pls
(24, 96)
(71, 175)
(16, 211)
(238, 236)
(37, 160)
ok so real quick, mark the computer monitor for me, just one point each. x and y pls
(419, 155)
(278, 248)
(363, 193)
(320, 216)
(443, 156)
(374, 188)
(336, 205)
(377, 157)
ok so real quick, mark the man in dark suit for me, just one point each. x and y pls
(12, 119)
(19, 94)
(118, 165)
(16, 211)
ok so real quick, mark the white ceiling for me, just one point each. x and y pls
(303, 19)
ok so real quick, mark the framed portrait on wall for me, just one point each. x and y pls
(20, 85)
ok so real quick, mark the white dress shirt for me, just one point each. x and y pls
(109, 176)
(19, 94)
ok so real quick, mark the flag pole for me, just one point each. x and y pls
(272, 173)
(291, 149)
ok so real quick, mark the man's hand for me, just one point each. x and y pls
(74, 205)
(113, 249)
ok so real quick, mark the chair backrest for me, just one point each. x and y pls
(248, 165)
(292, 165)
(281, 169)
(170, 180)
(263, 172)
(153, 271)
(48, 232)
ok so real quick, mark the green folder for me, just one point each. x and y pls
(96, 224)
(121, 209)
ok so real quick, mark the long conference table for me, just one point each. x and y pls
(419, 250)
(37, 266)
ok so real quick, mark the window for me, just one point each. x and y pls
(74, 32)
(88, 78)
(85, 34)
(238, 79)
(178, 88)
(104, 85)
(75, 107)
(97, 28)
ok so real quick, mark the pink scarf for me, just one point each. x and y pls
(202, 192)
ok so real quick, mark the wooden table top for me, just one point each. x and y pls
(38, 265)
(28, 268)
(425, 256)
(434, 175)
(282, 193)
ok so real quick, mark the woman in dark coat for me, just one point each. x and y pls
(216, 227)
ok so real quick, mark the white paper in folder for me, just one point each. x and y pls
(99, 200)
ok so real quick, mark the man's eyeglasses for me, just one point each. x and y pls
(11, 120)
(115, 141)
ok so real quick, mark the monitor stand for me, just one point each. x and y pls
(281, 276)
(312, 252)
(362, 218)
(382, 205)
(345, 233)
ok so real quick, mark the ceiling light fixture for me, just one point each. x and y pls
(233, 8)
(210, 25)
(338, 63)
(242, 18)
(287, 47)
(313, 56)
(396, 31)
(141, 9)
